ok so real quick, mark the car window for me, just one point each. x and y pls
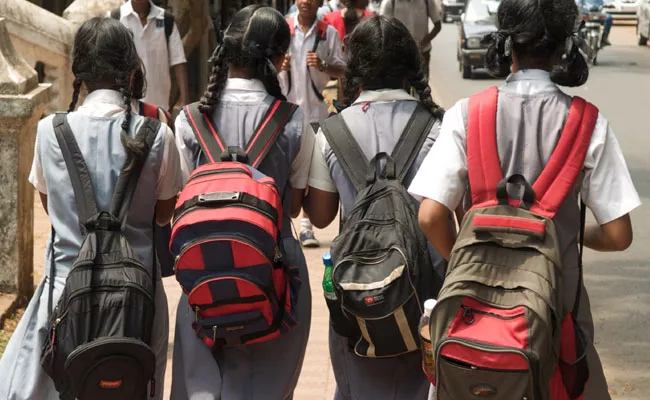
(481, 11)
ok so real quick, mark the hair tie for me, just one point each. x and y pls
(508, 46)
(216, 54)
(575, 40)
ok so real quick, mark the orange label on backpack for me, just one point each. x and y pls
(110, 384)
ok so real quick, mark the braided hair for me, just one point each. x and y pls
(104, 57)
(382, 54)
(256, 37)
(537, 31)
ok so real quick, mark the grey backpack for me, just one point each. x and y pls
(382, 268)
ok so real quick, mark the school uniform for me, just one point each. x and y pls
(158, 54)
(269, 370)
(531, 113)
(376, 119)
(411, 14)
(96, 127)
(302, 91)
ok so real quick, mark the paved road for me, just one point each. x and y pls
(619, 284)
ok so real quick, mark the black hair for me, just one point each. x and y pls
(104, 56)
(537, 30)
(382, 54)
(350, 18)
(256, 36)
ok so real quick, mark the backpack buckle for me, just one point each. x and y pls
(103, 222)
(234, 153)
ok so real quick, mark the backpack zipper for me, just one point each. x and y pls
(220, 171)
(239, 300)
(241, 205)
(468, 315)
(108, 288)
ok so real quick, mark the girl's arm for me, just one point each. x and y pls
(297, 196)
(437, 226)
(612, 236)
(44, 201)
(321, 206)
(165, 210)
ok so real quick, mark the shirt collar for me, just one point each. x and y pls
(383, 95)
(530, 81)
(296, 26)
(154, 10)
(104, 96)
(244, 85)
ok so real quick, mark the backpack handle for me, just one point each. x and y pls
(234, 153)
(527, 200)
(375, 169)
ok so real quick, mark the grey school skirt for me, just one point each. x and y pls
(263, 371)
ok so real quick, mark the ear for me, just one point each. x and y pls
(278, 60)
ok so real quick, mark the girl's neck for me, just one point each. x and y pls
(238, 73)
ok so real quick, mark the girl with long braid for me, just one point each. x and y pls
(537, 46)
(105, 61)
(242, 87)
(383, 66)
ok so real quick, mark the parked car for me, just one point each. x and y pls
(478, 19)
(451, 10)
(643, 24)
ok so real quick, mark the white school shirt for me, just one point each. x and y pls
(157, 56)
(319, 175)
(248, 91)
(607, 187)
(110, 103)
(413, 14)
(302, 93)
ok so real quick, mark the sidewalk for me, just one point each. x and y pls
(316, 381)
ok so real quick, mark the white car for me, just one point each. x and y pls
(643, 25)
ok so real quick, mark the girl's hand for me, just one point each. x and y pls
(286, 64)
(313, 60)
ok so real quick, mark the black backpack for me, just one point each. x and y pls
(382, 268)
(98, 342)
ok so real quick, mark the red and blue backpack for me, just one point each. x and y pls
(226, 238)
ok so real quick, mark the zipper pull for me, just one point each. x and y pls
(278, 254)
(152, 388)
(214, 333)
(468, 316)
(53, 338)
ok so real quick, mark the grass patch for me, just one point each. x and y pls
(9, 327)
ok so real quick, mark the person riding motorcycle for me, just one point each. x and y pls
(607, 23)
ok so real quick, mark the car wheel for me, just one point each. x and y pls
(467, 71)
(642, 40)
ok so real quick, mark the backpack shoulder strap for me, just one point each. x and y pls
(352, 159)
(321, 30)
(152, 111)
(567, 161)
(128, 181)
(292, 25)
(483, 166)
(410, 142)
(82, 186)
(116, 13)
(207, 136)
(267, 133)
(169, 24)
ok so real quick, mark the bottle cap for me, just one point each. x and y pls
(429, 305)
(327, 258)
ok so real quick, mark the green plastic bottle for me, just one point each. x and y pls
(328, 286)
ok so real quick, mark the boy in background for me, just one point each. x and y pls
(417, 22)
(314, 57)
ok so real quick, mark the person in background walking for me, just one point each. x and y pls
(410, 13)
(348, 18)
(383, 66)
(323, 10)
(104, 59)
(160, 49)
(243, 85)
(531, 113)
(315, 55)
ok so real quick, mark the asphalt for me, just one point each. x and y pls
(619, 284)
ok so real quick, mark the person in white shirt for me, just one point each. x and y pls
(158, 52)
(531, 113)
(410, 13)
(315, 55)
(105, 60)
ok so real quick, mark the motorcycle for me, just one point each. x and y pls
(590, 30)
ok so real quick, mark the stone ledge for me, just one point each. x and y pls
(23, 106)
(8, 304)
